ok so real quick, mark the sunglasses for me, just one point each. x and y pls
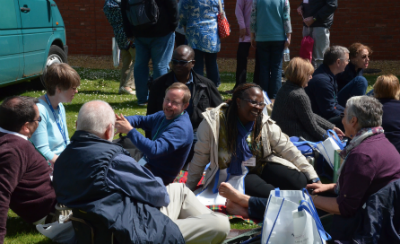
(38, 120)
(180, 62)
(254, 103)
(364, 56)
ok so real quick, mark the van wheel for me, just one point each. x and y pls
(56, 55)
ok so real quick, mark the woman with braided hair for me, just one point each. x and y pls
(236, 133)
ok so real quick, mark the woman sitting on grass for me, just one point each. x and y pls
(51, 137)
(235, 134)
(292, 108)
(387, 91)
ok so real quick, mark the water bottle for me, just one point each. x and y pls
(286, 55)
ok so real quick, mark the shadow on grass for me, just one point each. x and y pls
(116, 105)
(17, 226)
(17, 89)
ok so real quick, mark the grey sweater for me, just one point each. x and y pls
(292, 112)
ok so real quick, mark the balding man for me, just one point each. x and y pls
(99, 177)
(204, 93)
(25, 184)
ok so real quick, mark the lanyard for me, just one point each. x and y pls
(58, 119)
(162, 122)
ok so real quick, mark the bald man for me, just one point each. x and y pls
(204, 93)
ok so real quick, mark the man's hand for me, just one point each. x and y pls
(339, 132)
(319, 187)
(309, 21)
(300, 10)
(242, 33)
(122, 125)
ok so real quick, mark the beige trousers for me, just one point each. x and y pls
(197, 223)
(128, 60)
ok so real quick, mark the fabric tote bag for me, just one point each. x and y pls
(328, 147)
(224, 29)
(291, 218)
(306, 48)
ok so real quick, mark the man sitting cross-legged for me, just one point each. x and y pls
(166, 151)
(203, 91)
(99, 177)
(25, 184)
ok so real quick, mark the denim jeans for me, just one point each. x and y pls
(356, 87)
(270, 55)
(159, 50)
(211, 65)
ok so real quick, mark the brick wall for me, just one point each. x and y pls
(371, 22)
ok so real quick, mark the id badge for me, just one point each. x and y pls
(251, 162)
(142, 161)
(305, 1)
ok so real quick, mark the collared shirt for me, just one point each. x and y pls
(190, 85)
(13, 133)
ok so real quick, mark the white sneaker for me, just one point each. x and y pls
(126, 91)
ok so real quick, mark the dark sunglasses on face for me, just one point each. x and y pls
(180, 62)
(254, 103)
(38, 120)
(364, 56)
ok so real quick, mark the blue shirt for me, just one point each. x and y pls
(168, 152)
(47, 137)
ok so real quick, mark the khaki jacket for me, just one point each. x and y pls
(276, 145)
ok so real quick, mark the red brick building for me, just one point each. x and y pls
(371, 22)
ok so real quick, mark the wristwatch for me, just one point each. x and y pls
(315, 180)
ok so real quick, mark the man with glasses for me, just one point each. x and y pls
(25, 184)
(204, 93)
(322, 88)
(166, 150)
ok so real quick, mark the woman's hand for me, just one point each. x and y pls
(122, 125)
(319, 187)
(339, 132)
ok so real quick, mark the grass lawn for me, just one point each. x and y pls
(96, 84)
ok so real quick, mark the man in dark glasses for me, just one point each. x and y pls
(25, 184)
(204, 93)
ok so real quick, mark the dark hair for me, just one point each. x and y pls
(334, 53)
(60, 75)
(15, 111)
(232, 116)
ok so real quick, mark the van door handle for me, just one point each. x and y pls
(25, 9)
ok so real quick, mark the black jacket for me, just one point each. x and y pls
(167, 21)
(322, 10)
(205, 95)
(347, 75)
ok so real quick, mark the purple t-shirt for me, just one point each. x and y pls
(369, 167)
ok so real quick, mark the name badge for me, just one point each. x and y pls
(305, 1)
(251, 162)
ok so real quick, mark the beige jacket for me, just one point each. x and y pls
(276, 145)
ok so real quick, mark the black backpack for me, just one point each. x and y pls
(142, 13)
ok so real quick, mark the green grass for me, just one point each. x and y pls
(96, 84)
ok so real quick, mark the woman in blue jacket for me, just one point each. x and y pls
(199, 19)
(270, 32)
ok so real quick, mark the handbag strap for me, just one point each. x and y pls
(220, 8)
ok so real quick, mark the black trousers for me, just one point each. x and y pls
(179, 39)
(274, 175)
(241, 64)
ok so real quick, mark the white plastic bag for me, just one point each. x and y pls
(279, 222)
(61, 233)
(327, 148)
(116, 52)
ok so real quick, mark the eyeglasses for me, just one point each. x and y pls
(173, 103)
(254, 103)
(346, 60)
(341, 115)
(38, 120)
(181, 62)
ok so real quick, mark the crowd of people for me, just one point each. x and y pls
(189, 127)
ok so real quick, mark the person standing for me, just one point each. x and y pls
(112, 11)
(270, 32)
(201, 31)
(155, 42)
(317, 20)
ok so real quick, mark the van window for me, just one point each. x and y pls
(8, 17)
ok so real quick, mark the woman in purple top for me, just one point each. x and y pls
(370, 160)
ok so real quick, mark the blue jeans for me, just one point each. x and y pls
(356, 87)
(159, 50)
(211, 65)
(270, 55)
